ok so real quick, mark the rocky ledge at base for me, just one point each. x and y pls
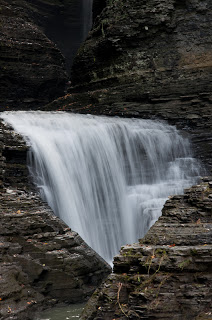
(168, 274)
(42, 261)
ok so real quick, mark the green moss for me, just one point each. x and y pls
(184, 264)
(160, 252)
(194, 252)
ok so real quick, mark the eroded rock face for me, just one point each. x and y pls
(148, 59)
(168, 274)
(143, 59)
(32, 68)
(153, 59)
(66, 23)
(13, 154)
(42, 261)
(191, 113)
(159, 45)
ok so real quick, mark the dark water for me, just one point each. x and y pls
(62, 313)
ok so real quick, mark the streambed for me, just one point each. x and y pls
(62, 313)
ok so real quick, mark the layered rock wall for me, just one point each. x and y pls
(153, 59)
(168, 274)
(148, 59)
(160, 46)
(42, 261)
(32, 69)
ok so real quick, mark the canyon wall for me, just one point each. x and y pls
(154, 60)
(155, 47)
(42, 261)
(168, 274)
(32, 68)
(148, 59)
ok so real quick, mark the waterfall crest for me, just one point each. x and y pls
(107, 178)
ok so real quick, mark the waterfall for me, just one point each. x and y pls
(87, 17)
(107, 178)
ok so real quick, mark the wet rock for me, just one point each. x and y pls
(41, 258)
(42, 261)
(65, 23)
(32, 69)
(167, 275)
(157, 65)
(13, 167)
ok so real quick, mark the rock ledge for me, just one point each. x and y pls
(168, 274)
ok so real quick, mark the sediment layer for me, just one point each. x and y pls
(42, 261)
(32, 71)
(168, 274)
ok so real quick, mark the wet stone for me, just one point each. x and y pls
(170, 266)
(42, 261)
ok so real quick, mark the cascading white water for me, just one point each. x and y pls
(107, 178)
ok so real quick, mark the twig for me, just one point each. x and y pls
(118, 296)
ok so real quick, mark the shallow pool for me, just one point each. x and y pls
(62, 313)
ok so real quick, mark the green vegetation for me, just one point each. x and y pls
(184, 264)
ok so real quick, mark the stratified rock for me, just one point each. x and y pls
(32, 69)
(66, 23)
(42, 261)
(162, 47)
(168, 274)
(148, 59)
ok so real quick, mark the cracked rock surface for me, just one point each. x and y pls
(168, 274)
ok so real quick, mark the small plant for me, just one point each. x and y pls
(184, 264)
(155, 253)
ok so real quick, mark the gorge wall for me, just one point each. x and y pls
(149, 59)
(39, 39)
(154, 60)
(42, 261)
(156, 46)
(32, 68)
(167, 275)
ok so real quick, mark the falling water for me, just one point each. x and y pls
(107, 178)
(87, 17)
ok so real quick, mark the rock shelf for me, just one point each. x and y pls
(168, 274)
